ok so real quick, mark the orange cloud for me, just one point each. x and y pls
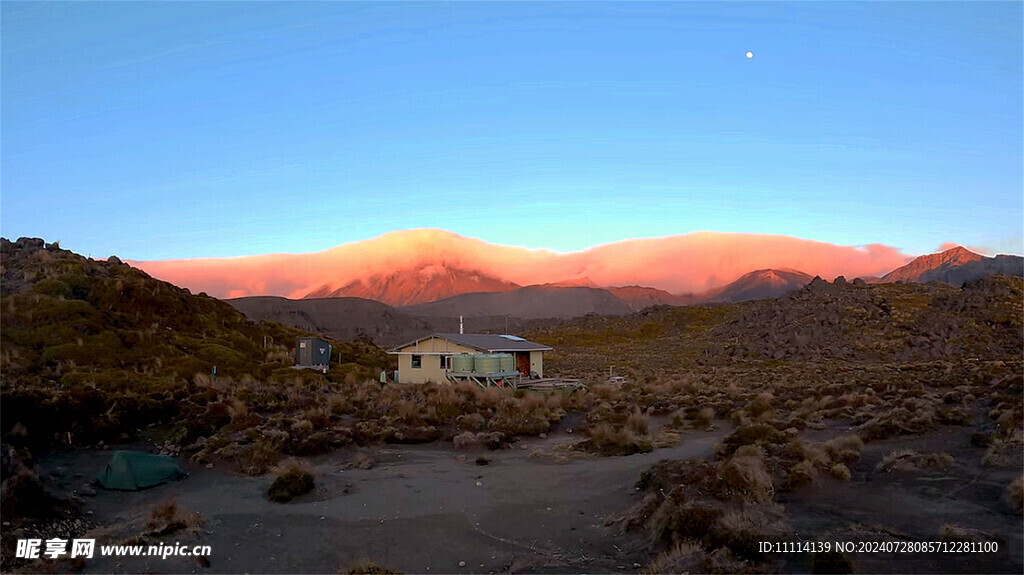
(679, 264)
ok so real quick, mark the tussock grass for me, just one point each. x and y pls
(293, 478)
(168, 516)
(761, 434)
(910, 460)
(368, 567)
(747, 477)
(683, 557)
(362, 460)
(614, 439)
(831, 562)
(1014, 495)
(840, 471)
(953, 532)
(803, 473)
(845, 448)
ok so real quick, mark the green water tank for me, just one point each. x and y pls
(508, 363)
(462, 363)
(486, 363)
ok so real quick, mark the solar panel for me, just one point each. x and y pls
(513, 337)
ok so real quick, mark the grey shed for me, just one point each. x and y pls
(311, 351)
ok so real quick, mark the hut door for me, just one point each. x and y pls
(523, 363)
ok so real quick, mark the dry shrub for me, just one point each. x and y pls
(408, 412)
(637, 515)
(704, 418)
(489, 398)
(913, 417)
(470, 422)
(1000, 454)
(465, 440)
(263, 456)
(750, 450)
(638, 422)
(302, 426)
(1014, 494)
(336, 403)
(677, 520)
(683, 557)
(168, 516)
(953, 532)
(362, 460)
(741, 530)
(762, 405)
(410, 434)
(368, 567)
(801, 474)
(747, 477)
(845, 448)
(294, 478)
(722, 560)
(237, 409)
(800, 449)
(719, 504)
(612, 439)
(756, 434)
(469, 440)
(23, 494)
(910, 460)
(831, 562)
(665, 437)
(318, 416)
(840, 471)
(605, 392)
(512, 420)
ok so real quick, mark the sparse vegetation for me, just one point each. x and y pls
(368, 567)
(909, 460)
(168, 516)
(1014, 495)
(99, 351)
(292, 479)
(953, 532)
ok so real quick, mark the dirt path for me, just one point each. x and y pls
(420, 510)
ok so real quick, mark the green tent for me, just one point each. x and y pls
(134, 470)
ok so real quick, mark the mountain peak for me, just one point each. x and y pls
(960, 254)
(419, 284)
(572, 282)
(762, 283)
(933, 266)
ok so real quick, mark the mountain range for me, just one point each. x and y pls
(955, 266)
(418, 266)
(413, 281)
(507, 305)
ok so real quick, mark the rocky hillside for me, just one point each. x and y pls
(340, 318)
(882, 323)
(956, 266)
(759, 284)
(412, 286)
(640, 297)
(99, 349)
(822, 322)
(532, 302)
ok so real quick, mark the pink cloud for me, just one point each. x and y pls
(679, 264)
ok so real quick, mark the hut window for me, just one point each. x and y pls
(445, 361)
(417, 361)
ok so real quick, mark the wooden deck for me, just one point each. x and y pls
(550, 383)
(514, 380)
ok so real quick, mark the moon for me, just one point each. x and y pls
(750, 55)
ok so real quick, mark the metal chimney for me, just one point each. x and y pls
(460, 325)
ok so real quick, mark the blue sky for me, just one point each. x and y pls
(176, 130)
